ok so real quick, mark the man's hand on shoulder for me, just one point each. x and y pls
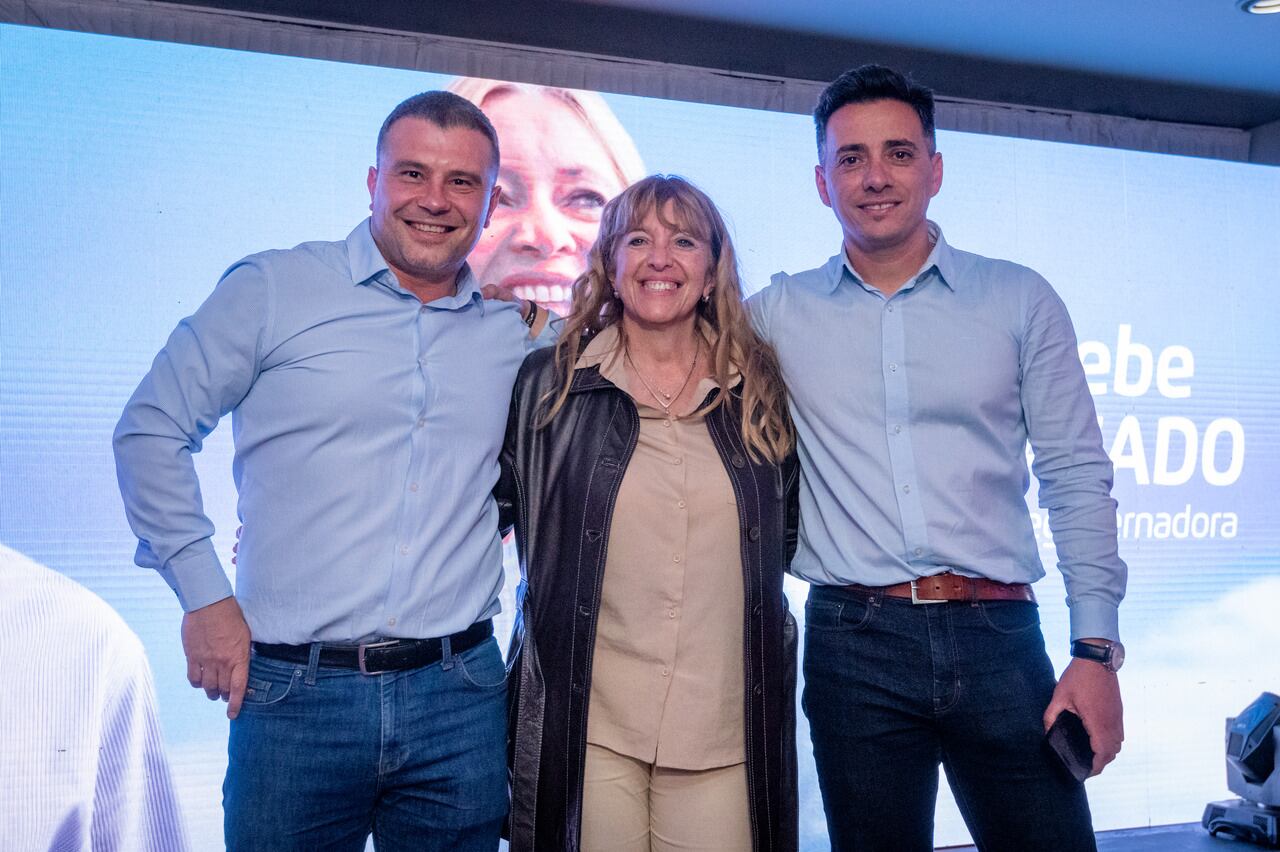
(1092, 693)
(534, 317)
(215, 639)
(502, 294)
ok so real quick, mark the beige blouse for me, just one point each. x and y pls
(667, 672)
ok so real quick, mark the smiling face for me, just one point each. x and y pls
(878, 175)
(431, 192)
(556, 177)
(661, 271)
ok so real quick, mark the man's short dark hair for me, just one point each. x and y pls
(445, 110)
(872, 83)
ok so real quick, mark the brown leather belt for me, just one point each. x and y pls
(950, 587)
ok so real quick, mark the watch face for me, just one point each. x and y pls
(1117, 657)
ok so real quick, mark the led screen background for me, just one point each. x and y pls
(133, 173)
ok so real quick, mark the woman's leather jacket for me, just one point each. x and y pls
(558, 488)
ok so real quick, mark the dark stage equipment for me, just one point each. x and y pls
(1253, 743)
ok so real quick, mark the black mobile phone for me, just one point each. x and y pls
(1068, 739)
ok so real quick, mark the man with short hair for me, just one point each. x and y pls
(368, 382)
(917, 375)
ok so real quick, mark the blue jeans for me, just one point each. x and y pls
(892, 689)
(321, 757)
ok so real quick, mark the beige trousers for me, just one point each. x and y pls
(632, 806)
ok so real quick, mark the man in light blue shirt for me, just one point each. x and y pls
(368, 382)
(917, 375)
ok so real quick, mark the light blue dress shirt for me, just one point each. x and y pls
(914, 412)
(367, 427)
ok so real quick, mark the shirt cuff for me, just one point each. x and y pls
(1093, 619)
(196, 576)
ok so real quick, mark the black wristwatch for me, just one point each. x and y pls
(1110, 655)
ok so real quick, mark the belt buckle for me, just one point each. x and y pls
(915, 599)
(364, 646)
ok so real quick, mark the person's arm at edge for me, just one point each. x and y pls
(1075, 478)
(135, 804)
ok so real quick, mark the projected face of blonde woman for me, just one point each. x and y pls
(555, 178)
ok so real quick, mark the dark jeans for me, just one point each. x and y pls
(322, 757)
(892, 689)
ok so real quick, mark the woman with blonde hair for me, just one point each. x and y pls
(649, 463)
(564, 155)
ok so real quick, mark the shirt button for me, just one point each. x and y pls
(897, 430)
(680, 504)
(422, 421)
(665, 673)
(893, 368)
(677, 461)
(413, 487)
(404, 550)
(919, 551)
(671, 613)
(676, 558)
(890, 309)
(906, 489)
(391, 622)
(666, 423)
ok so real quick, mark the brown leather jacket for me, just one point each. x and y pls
(558, 488)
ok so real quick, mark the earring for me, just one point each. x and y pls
(706, 297)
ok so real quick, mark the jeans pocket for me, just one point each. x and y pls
(270, 682)
(1009, 617)
(482, 666)
(843, 616)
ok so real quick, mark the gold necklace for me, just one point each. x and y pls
(658, 396)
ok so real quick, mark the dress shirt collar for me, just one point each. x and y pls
(604, 351)
(368, 265)
(941, 257)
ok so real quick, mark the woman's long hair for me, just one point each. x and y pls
(765, 426)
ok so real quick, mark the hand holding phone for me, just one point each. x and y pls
(1070, 742)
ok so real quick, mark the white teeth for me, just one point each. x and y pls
(879, 206)
(428, 229)
(543, 293)
(660, 285)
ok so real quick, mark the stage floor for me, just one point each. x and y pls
(1190, 837)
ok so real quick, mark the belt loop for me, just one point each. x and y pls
(446, 654)
(313, 663)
